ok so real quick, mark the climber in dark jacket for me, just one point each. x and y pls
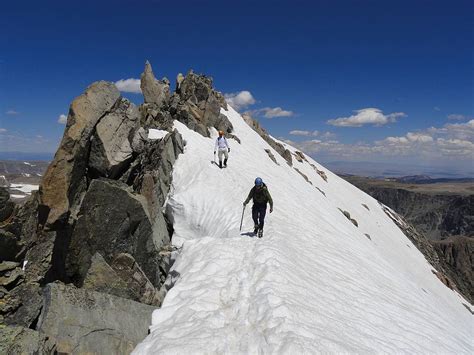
(260, 195)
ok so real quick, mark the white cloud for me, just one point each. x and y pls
(457, 117)
(2, 130)
(129, 85)
(419, 137)
(12, 112)
(240, 100)
(304, 133)
(275, 112)
(62, 119)
(449, 145)
(436, 108)
(373, 116)
(272, 112)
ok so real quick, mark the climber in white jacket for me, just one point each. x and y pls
(222, 148)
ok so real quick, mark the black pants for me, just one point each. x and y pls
(258, 214)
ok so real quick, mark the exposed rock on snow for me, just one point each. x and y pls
(271, 156)
(285, 153)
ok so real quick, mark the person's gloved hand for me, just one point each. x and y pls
(214, 152)
(271, 209)
(228, 149)
(245, 204)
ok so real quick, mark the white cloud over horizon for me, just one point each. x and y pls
(240, 100)
(129, 85)
(62, 119)
(366, 116)
(12, 112)
(451, 144)
(3, 130)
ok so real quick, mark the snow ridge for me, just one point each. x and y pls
(314, 283)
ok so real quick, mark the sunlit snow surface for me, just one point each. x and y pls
(314, 283)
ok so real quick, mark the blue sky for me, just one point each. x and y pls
(406, 66)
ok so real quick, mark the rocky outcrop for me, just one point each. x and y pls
(196, 104)
(154, 91)
(95, 323)
(64, 180)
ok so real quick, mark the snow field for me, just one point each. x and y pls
(313, 284)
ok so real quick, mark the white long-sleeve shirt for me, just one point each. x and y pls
(221, 144)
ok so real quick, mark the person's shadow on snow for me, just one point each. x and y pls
(249, 234)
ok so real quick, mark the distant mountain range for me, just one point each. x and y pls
(385, 170)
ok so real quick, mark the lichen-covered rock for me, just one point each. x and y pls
(81, 321)
(20, 340)
(65, 178)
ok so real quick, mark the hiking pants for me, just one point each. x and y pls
(221, 152)
(258, 214)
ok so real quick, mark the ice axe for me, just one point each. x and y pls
(242, 219)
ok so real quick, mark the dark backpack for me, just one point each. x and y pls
(260, 195)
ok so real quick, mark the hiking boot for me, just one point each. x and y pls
(255, 229)
(220, 164)
(225, 163)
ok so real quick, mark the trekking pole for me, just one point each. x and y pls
(242, 219)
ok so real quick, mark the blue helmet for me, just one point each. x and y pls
(258, 181)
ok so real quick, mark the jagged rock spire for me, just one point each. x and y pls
(154, 91)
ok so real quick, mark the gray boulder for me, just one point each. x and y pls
(111, 147)
(86, 322)
(154, 91)
(112, 220)
(65, 178)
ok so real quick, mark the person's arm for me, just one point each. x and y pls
(216, 145)
(227, 144)
(269, 197)
(249, 196)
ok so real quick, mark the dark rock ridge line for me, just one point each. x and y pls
(95, 236)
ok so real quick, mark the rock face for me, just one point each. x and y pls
(64, 179)
(6, 206)
(111, 148)
(128, 230)
(87, 322)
